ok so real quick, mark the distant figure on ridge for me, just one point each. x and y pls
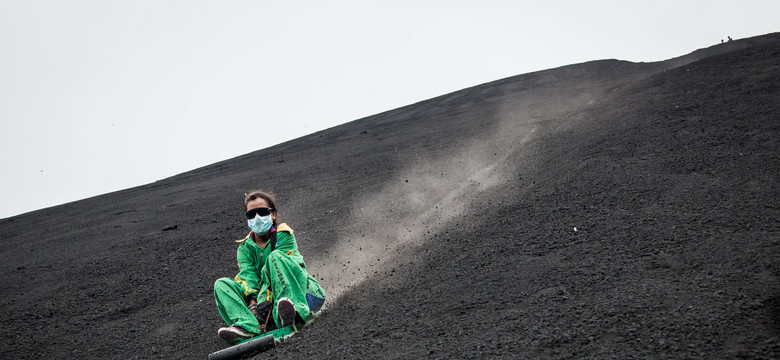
(730, 39)
(272, 289)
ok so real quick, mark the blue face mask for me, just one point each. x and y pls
(260, 224)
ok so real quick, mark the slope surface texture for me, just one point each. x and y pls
(600, 210)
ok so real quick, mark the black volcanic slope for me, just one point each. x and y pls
(599, 210)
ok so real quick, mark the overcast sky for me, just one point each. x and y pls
(101, 95)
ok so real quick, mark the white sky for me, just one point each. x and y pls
(101, 95)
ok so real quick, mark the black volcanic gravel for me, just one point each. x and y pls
(601, 210)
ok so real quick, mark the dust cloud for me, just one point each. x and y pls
(415, 205)
(422, 199)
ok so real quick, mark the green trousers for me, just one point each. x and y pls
(229, 295)
(287, 279)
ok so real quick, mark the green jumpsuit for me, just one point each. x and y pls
(267, 275)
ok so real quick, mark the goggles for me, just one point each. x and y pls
(262, 211)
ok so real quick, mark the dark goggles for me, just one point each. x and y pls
(262, 211)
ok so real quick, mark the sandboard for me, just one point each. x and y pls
(254, 345)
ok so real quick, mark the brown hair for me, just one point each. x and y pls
(269, 199)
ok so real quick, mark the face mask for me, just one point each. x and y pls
(260, 224)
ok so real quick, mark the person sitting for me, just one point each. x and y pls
(273, 289)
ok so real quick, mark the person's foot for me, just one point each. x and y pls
(286, 311)
(233, 333)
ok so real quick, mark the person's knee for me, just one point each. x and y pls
(276, 256)
(223, 283)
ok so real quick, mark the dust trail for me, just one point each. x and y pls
(433, 190)
(417, 204)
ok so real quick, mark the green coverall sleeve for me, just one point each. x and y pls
(248, 275)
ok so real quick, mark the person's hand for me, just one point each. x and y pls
(260, 310)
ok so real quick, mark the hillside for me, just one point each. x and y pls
(597, 210)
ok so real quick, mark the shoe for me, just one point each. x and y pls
(233, 333)
(286, 311)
